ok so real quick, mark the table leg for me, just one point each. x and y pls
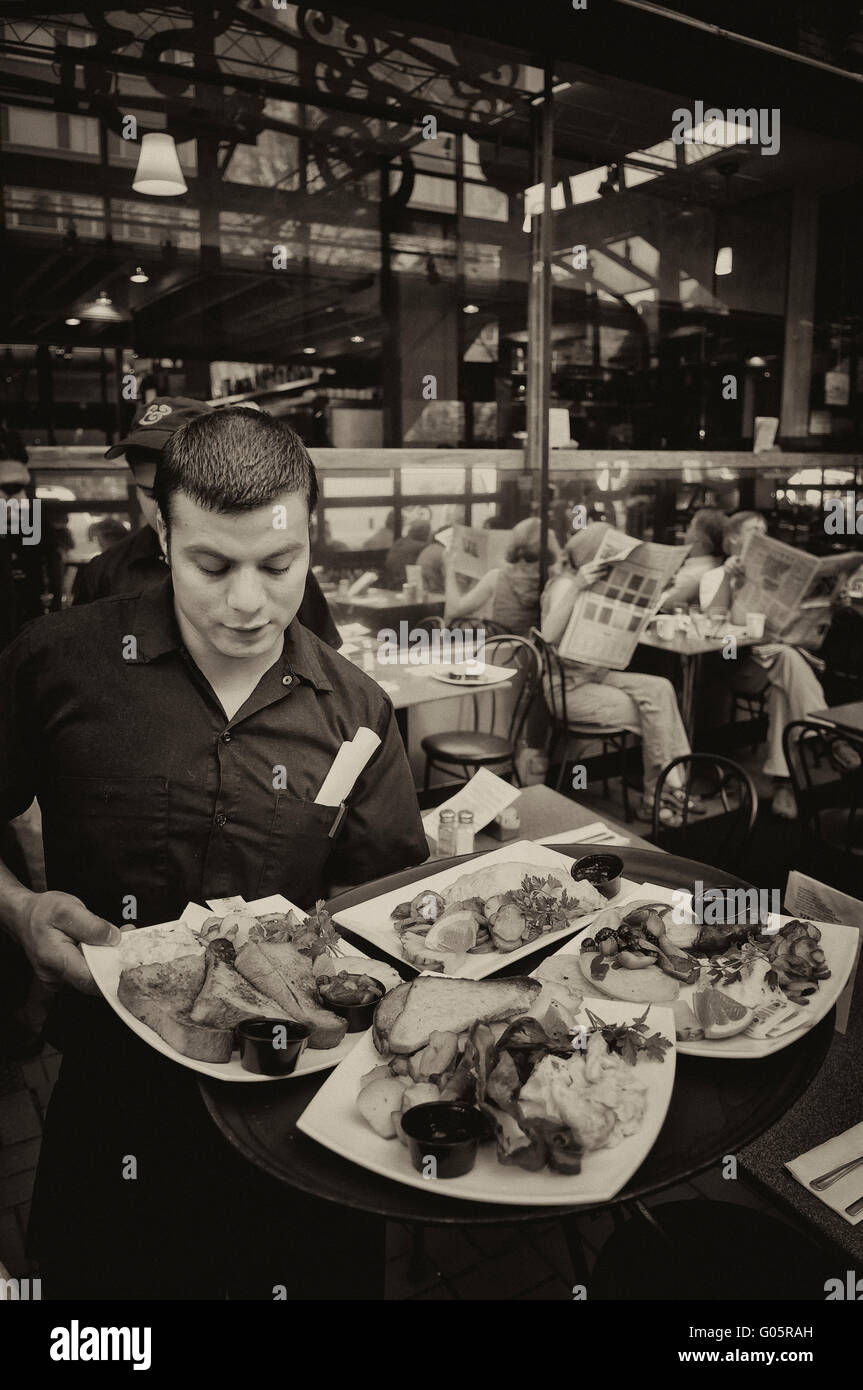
(575, 1246)
(691, 674)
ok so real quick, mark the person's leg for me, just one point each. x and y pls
(795, 691)
(663, 736)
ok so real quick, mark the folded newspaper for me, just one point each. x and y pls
(794, 590)
(608, 618)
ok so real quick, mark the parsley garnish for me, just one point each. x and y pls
(628, 1040)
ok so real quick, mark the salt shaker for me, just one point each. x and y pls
(465, 833)
(446, 834)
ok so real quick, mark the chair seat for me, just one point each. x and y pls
(466, 746)
(596, 730)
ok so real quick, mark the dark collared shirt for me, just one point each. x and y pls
(150, 797)
(135, 564)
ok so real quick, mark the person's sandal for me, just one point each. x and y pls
(674, 798)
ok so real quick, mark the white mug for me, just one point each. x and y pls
(755, 624)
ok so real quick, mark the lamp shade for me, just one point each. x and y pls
(158, 173)
(724, 261)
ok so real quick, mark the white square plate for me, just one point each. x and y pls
(106, 963)
(371, 920)
(332, 1119)
(840, 947)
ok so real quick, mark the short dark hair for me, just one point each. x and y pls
(234, 460)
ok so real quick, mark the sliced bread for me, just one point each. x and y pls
(161, 995)
(453, 1006)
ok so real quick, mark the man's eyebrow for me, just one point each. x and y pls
(202, 548)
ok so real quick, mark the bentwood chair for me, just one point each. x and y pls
(720, 835)
(471, 749)
(826, 769)
(565, 729)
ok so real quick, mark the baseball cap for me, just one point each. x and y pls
(157, 421)
(13, 473)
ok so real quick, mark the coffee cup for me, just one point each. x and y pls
(666, 628)
(755, 624)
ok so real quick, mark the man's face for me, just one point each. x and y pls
(238, 578)
(754, 525)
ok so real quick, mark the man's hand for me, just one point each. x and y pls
(49, 929)
(591, 573)
(734, 570)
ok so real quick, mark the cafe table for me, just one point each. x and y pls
(715, 1109)
(380, 608)
(845, 719)
(691, 649)
(407, 683)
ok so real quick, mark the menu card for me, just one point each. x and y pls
(806, 897)
(485, 794)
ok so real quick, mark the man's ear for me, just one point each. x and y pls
(162, 532)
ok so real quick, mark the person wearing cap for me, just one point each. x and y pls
(177, 740)
(135, 562)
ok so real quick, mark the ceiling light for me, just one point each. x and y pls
(756, 361)
(470, 309)
(102, 309)
(158, 173)
(140, 277)
(309, 350)
(357, 338)
(73, 322)
(724, 261)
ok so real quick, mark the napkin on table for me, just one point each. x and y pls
(822, 1160)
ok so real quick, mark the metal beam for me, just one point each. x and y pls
(539, 314)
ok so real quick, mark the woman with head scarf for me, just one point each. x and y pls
(508, 596)
(646, 705)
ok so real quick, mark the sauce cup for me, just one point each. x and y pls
(443, 1137)
(602, 870)
(271, 1046)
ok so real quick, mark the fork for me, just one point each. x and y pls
(828, 1179)
(855, 1208)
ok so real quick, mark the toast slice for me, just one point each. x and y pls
(453, 1006)
(280, 972)
(226, 998)
(161, 995)
(386, 1014)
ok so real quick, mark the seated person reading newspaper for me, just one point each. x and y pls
(647, 705)
(785, 669)
(704, 535)
(508, 595)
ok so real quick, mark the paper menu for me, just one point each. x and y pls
(347, 766)
(485, 794)
(806, 897)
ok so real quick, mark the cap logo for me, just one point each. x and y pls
(154, 414)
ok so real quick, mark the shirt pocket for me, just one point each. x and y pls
(298, 849)
(107, 842)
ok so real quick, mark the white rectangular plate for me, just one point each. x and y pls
(371, 919)
(839, 945)
(332, 1119)
(106, 962)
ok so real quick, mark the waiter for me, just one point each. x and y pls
(135, 562)
(176, 741)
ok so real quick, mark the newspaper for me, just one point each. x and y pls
(476, 551)
(794, 590)
(608, 618)
(806, 897)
